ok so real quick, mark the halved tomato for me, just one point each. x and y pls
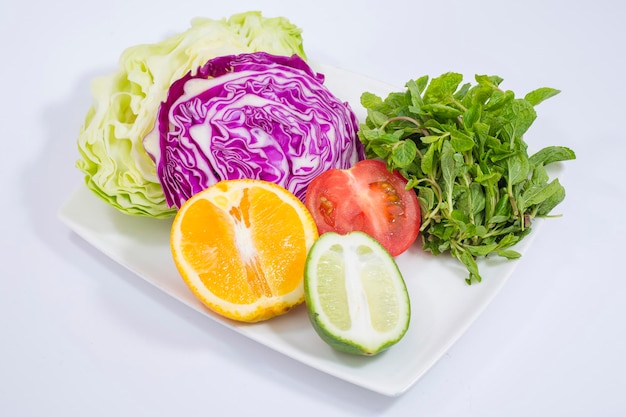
(367, 197)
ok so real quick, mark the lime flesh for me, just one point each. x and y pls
(355, 294)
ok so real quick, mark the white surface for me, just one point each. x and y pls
(81, 335)
(443, 306)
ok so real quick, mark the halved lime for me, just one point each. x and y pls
(355, 294)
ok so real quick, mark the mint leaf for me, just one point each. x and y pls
(541, 94)
(416, 96)
(518, 115)
(447, 164)
(539, 194)
(472, 116)
(509, 254)
(441, 89)
(552, 154)
(441, 111)
(428, 160)
(371, 101)
(461, 147)
(461, 142)
(546, 206)
(518, 168)
(404, 153)
(376, 117)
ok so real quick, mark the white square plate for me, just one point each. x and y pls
(443, 305)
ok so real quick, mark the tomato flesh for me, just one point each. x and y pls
(368, 198)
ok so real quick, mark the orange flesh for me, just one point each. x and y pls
(256, 250)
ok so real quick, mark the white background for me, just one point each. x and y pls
(81, 336)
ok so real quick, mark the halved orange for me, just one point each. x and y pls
(241, 247)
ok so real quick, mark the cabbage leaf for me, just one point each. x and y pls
(126, 102)
(253, 115)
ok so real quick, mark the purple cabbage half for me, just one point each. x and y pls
(253, 115)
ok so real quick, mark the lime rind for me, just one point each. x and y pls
(355, 294)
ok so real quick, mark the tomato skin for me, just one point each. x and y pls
(368, 198)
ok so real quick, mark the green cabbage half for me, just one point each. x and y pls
(126, 102)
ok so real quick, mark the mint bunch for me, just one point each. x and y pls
(461, 147)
